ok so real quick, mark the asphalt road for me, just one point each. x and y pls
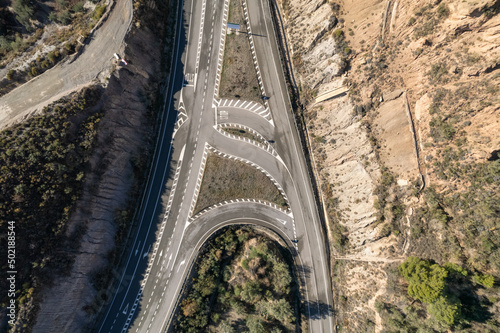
(71, 74)
(169, 236)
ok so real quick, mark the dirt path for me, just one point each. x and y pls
(371, 305)
(370, 259)
(73, 73)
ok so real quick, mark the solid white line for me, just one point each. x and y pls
(303, 178)
(169, 96)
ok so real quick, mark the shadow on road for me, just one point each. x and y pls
(124, 299)
(317, 310)
(303, 271)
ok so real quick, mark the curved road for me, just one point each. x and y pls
(72, 74)
(169, 236)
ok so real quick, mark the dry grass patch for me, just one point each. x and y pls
(238, 77)
(227, 179)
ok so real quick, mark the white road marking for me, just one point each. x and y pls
(137, 250)
(168, 264)
(182, 263)
(159, 257)
(147, 252)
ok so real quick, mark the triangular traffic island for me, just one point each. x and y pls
(239, 76)
(226, 179)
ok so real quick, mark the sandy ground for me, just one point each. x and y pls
(397, 149)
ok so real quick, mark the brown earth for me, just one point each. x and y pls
(238, 76)
(361, 139)
(226, 179)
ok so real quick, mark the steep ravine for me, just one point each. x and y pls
(125, 129)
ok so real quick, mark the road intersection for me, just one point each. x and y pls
(169, 235)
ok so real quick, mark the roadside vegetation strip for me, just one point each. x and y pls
(44, 161)
(227, 179)
(242, 281)
(238, 76)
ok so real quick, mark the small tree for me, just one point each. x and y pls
(255, 324)
(281, 311)
(24, 12)
(425, 280)
(190, 307)
(445, 310)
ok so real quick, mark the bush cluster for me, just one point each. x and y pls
(263, 302)
(437, 286)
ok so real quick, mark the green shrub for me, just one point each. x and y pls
(338, 33)
(53, 56)
(64, 17)
(34, 71)
(98, 12)
(52, 16)
(10, 74)
(443, 11)
(78, 7)
(244, 264)
(445, 310)
(426, 281)
(486, 280)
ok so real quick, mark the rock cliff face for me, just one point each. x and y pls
(422, 77)
(343, 155)
(124, 131)
(346, 164)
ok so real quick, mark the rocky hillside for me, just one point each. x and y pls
(407, 159)
(114, 172)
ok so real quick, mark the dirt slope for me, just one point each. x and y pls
(125, 130)
(423, 76)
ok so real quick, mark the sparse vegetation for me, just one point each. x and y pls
(20, 32)
(43, 165)
(238, 76)
(98, 12)
(428, 19)
(438, 73)
(227, 179)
